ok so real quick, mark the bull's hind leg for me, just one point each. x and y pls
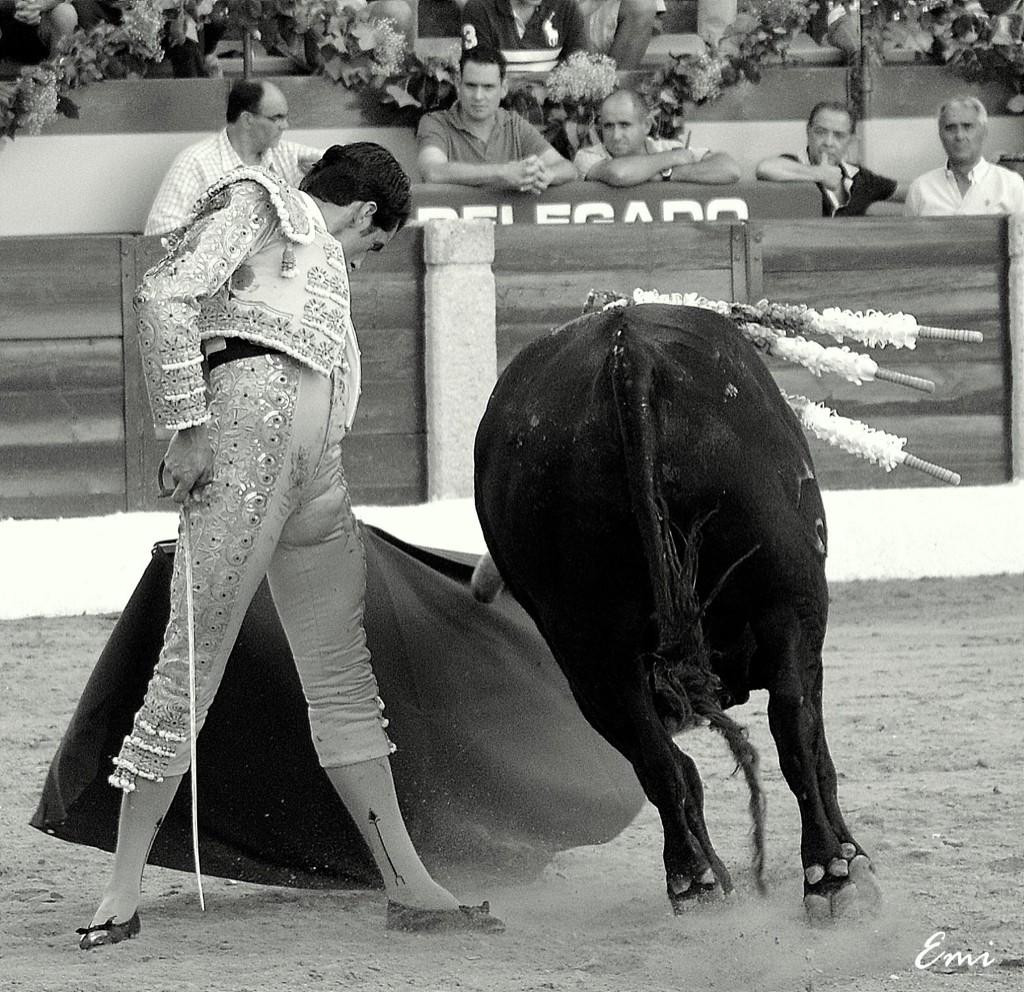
(717, 875)
(670, 780)
(838, 876)
(862, 890)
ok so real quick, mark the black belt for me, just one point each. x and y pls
(236, 348)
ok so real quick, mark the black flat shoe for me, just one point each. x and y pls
(109, 932)
(410, 919)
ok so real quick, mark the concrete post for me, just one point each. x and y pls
(1016, 307)
(461, 358)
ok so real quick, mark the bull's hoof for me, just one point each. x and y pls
(849, 888)
(684, 892)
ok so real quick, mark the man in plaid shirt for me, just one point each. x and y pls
(257, 116)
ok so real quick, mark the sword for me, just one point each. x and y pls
(190, 619)
(190, 613)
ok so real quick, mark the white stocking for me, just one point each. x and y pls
(368, 791)
(142, 812)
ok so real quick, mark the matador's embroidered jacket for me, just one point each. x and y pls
(224, 278)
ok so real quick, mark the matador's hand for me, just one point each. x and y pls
(189, 461)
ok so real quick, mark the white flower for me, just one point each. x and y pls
(705, 78)
(143, 22)
(38, 93)
(390, 47)
(584, 77)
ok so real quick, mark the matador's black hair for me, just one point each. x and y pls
(362, 171)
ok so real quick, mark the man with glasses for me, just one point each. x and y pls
(847, 190)
(257, 115)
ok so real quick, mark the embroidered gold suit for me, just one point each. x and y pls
(224, 278)
(278, 502)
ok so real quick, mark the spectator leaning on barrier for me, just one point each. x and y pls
(477, 143)
(628, 155)
(967, 183)
(257, 115)
(847, 190)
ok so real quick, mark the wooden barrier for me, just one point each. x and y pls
(75, 434)
(543, 275)
(584, 202)
(61, 376)
(949, 273)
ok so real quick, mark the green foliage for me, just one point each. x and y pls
(763, 31)
(565, 108)
(428, 85)
(105, 51)
(981, 41)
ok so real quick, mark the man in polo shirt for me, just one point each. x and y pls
(257, 115)
(621, 29)
(477, 143)
(628, 155)
(967, 183)
(847, 190)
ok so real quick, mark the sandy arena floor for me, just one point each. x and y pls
(924, 707)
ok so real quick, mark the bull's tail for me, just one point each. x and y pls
(684, 684)
(747, 760)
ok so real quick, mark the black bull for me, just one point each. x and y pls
(647, 495)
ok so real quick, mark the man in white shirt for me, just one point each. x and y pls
(257, 116)
(967, 184)
(628, 155)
